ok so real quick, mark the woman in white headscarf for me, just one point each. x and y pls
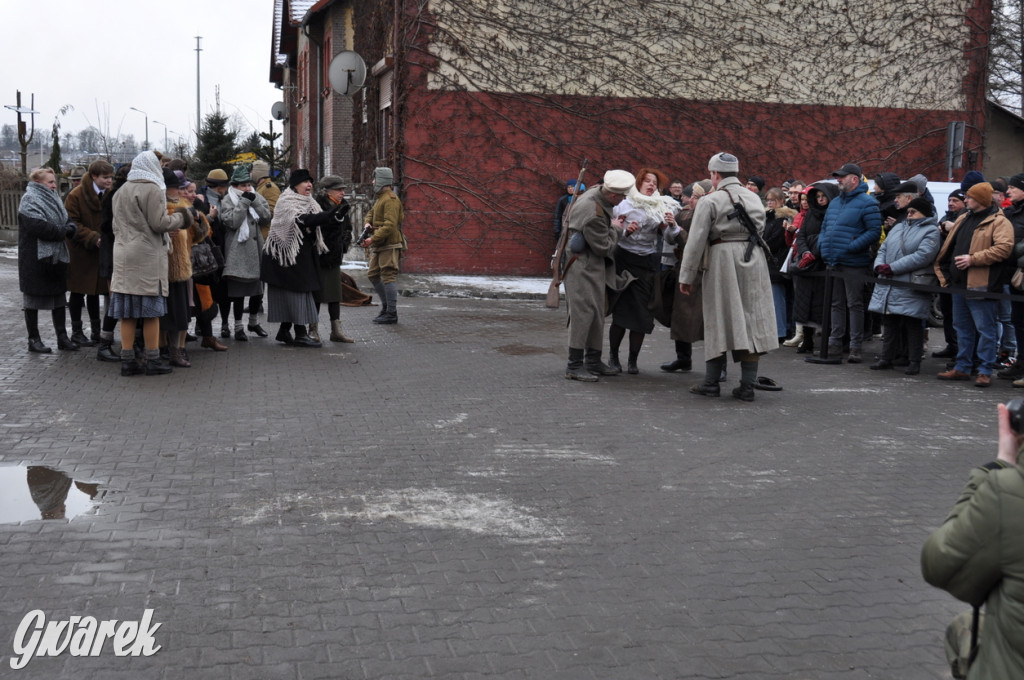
(43, 226)
(139, 284)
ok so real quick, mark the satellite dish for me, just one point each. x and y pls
(279, 111)
(347, 73)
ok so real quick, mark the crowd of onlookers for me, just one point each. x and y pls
(170, 258)
(891, 255)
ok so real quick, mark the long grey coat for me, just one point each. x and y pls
(738, 310)
(141, 223)
(907, 248)
(242, 260)
(593, 273)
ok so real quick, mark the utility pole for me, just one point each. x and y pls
(24, 139)
(199, 120)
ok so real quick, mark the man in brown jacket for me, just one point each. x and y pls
(971, 259)
(84, 282)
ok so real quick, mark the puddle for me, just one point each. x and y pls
(35, 492)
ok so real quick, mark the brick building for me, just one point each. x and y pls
(485, 109)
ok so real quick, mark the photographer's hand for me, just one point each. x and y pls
(1009, 441)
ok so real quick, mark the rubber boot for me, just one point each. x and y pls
(337, 335)
(391, 295)
(592, 362)
(574, 370)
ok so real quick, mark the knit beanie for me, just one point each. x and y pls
(923, 206)
(260, 169)
(217, 178)
(982, 193)
(970, 179)
(1017, 181)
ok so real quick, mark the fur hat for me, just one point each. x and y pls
(382, 177)
(331, 182)
(170, 179)
(724, 162)
(982, 193)
(298, 177)
(619, 181)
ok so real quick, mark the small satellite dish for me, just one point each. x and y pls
(279, 111)
(347, 73)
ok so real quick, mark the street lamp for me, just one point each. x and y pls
(147, 123)
(156, 122)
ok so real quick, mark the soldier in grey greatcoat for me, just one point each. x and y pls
(739, 315)
(591, 272)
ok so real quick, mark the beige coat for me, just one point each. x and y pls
(592, 275)
(141, 224)
(738, 310)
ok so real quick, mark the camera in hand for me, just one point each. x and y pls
(1016, 409)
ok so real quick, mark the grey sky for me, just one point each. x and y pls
(105, 57)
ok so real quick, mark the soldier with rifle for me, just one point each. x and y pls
(725, 248)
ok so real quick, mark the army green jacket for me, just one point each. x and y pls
(977, 556)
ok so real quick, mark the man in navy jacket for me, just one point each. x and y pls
(852, 226)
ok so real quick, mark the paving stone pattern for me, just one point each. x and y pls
(437, 501)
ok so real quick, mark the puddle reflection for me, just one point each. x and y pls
(36, 492)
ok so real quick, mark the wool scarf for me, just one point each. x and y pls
(654, 206)
(285, 237)
(42, 203)
(251, 217)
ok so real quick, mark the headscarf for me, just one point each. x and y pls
(285, 237)
(146, 168)
(40, 202)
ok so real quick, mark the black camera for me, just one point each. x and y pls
(1016, 409)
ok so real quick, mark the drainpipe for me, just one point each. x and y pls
(304, 27)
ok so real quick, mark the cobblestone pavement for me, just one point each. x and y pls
(436, 500)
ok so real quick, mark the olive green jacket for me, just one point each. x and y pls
(977, 556)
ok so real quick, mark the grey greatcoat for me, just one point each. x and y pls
(738, 310)
(242, 260)
(909, 246)
(593, 272)
(141, 243)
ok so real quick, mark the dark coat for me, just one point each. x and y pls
(107, 230)
(84, 209)
(809, 292)
(303, 276)
(337, 232)
(35, 277)
(775, 237)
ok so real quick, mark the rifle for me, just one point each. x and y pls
(755, 239)
(556, 259)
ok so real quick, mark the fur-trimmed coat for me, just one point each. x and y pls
(179, 258)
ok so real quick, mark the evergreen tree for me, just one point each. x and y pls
(54, 161)
(215, 146)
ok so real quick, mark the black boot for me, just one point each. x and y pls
(807, 346)
(631, 366)
(36, 345)
(81, 338)
(129, 363)
(592, 362)
(284, 334)
(154, 365)
(684, 361)
(575, 370)
(745, 392)
(391, 295)
(383, 297)
(105, 352)
(94, 326)
(302, 338)
(66, 343)
(707, 389)
(613, 360)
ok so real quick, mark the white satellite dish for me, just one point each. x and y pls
(347, 73)
(279, 111)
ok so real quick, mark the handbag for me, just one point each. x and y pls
(924, 277)
(207, 262)
(961, 642)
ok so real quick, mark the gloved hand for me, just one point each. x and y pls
(70, 230)
(249, 195)
(806, 260)
(883, 270)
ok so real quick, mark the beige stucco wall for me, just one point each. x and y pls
(875, 53)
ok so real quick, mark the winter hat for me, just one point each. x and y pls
(298, 177)
(170, 179)
(382, 177)
(705, 185)
(908, 187)
(217, 178)
(757, 181)
(970, 179)
(998, 185)
(241, 175)
(982, 193)
(619, 181)
(848, 169)
(724, 162)
(183, 181)
(331, 182)
(921, 181)
(1017, 181)
(923, 206)
(260, 169)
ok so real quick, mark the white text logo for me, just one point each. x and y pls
(82, 636)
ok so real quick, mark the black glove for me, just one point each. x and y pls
(70, 230)
(249, 195)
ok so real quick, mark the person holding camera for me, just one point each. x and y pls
(243, 213)
(977, 555)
